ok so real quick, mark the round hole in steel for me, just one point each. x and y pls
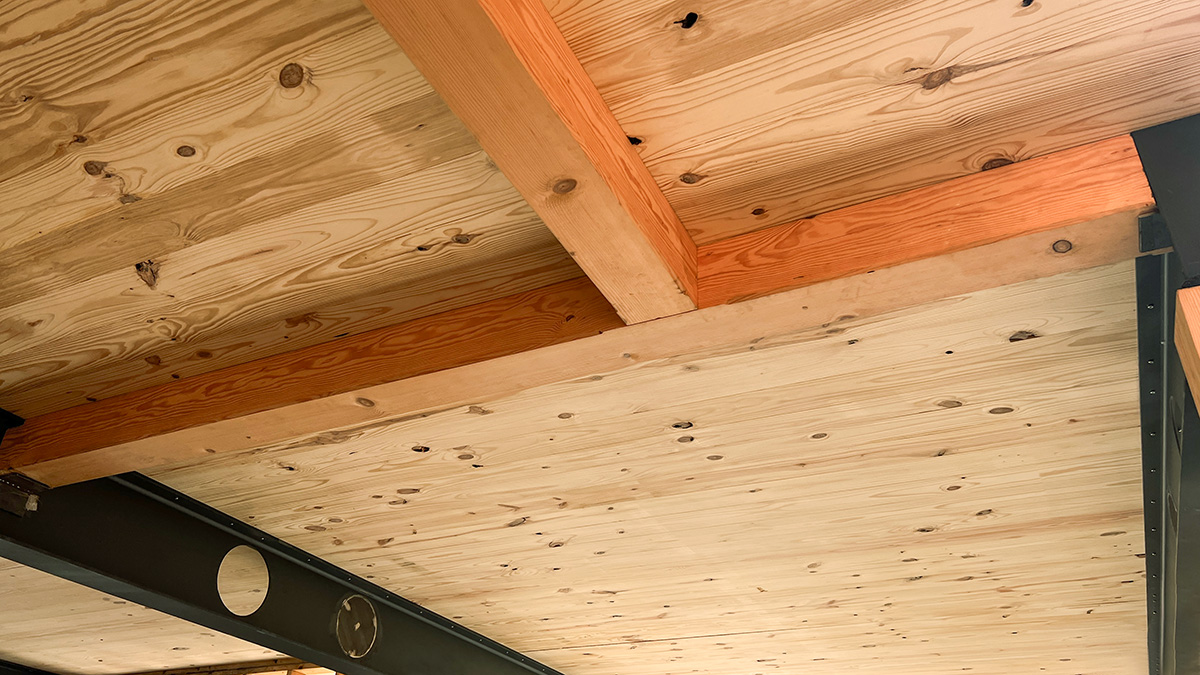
(357, 626)
(242, 580)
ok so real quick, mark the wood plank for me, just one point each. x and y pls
(509, 325)
(506, 71)
(1072, 186)
(32, 449)
(63, 627)
(1187, 322)
(874, 492)
(791, 108)
(269, 213)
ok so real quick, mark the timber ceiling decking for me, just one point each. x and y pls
(883, 495)
(953, 487)
(55, 624)
(766, 111)
(190, 185)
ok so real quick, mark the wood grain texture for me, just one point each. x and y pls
(192, 185)
(910, 492)
(1065, 188)
(60, 626)
(1187, 322)
(342, 416)
(505, 70)
(281, 666)
(517, 323)
(785, 109)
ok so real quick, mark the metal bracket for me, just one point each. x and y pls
(19, 494)
(1153, 234)
(1170, 155)
(9, 421)
(139, 540)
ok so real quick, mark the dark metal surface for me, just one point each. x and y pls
(1153, 234)
(1171, 475)
(9, 421)
(10, 668)
(1153, 297)
(134, 538)
(19, 494)
(1170, 155)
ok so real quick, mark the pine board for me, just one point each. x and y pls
(908, 493)
(764, 112)
(60, 626)
(281, 167)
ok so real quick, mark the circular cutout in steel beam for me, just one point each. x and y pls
(357, 626)
(242, 580)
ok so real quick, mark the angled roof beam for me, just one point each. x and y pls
(507, 72)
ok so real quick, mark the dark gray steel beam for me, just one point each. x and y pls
(10, 668)
(137, 539)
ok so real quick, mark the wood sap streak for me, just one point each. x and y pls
(192, 185)
(493, 329)
(726, 326)
(844, 497)
(1072, 186)
(505, 70)
(60, 626)
(784, 109)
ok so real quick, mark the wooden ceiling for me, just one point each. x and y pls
(888, 494)
(818, 481)
(284, 176)
(767, 111)
(193, 185)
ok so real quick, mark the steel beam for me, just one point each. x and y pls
(10, 668)
(137, 539)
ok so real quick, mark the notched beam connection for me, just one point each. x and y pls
(506, 71)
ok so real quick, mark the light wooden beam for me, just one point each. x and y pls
(1073, 186)
(506, 71)
(246, 407)
(1187, 335)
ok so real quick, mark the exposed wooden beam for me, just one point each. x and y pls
(243, 408)
(1072, 186)
(516, 323)
(506, 71)
(1187, 335)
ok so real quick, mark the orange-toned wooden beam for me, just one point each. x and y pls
(1035, 195)
(1187, 335)
(516, 323)
(507, 72)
